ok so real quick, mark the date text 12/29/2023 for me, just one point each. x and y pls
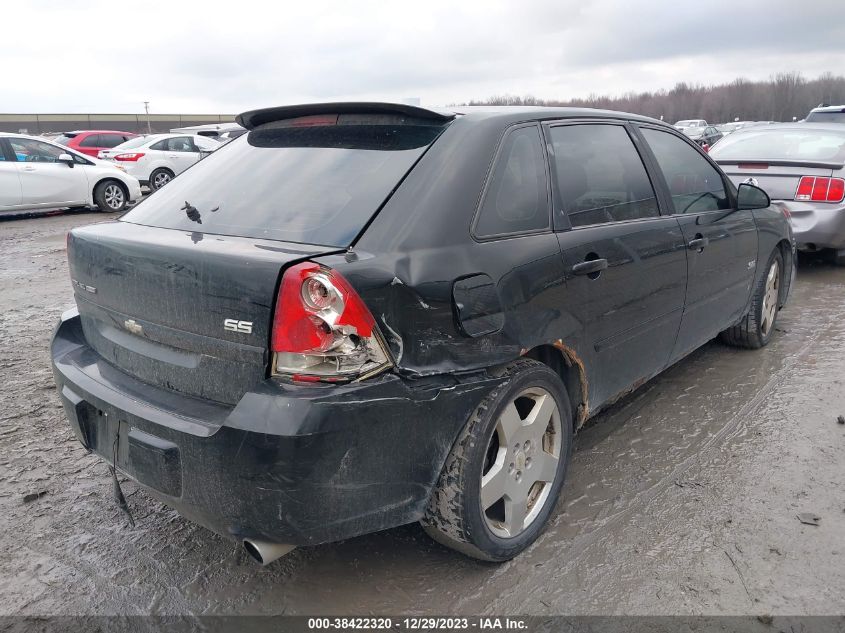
(418, 623)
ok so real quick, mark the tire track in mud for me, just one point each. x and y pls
(579, 545)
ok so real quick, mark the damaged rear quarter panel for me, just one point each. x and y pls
(423, 245)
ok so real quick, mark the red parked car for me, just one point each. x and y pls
(90, 142)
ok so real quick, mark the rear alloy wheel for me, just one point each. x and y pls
(521, 463)
(502, 479)
(159, 178)
(110, 197)
(756, 328)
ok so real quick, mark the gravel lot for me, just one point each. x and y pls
(683, 498)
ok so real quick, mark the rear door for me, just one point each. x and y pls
(44, 180)
(108, 141)
(90, 145)
(625, 261)
(721, 243)
(10, 181)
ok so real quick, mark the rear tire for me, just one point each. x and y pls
(756, 328)
(504, 474)
(159, 178)
(111, 196)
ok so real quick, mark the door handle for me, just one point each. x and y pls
(698, 243)
(29, 168)
(590, 267)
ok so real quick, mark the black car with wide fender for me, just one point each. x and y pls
(360, 315)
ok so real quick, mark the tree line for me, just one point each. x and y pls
(784, 96)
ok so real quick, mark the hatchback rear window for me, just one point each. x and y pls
(133, 142)
(789, 144)
(316, 185)
(826, 117)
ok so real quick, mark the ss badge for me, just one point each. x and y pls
(233, 325)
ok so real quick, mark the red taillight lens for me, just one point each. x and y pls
(836, 192)
(322, 328)
(133, 156)
(820, 189)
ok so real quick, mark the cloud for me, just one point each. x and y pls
(100, 56)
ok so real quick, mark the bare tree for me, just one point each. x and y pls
(784, 96)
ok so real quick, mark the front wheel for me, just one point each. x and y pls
(756, 328)
(503, 477)
(110, 197)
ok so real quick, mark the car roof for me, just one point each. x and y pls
(796, 125)
(506, 114)
(44, 140)
(100, 132)
(829, 108)
(30, 136)
(153, 138)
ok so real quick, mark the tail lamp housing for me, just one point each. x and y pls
(820, 189)
(129, 156)
(322, 330)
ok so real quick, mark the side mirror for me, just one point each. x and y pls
(67, 159)
(751, 197)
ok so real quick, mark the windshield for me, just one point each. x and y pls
(132, 143)
(315, 185)
(63, 139)
(789, 144)
(688, 123)
(825, 117)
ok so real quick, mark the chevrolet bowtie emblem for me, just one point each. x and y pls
(133, 327)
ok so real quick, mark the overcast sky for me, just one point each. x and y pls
(199, 56)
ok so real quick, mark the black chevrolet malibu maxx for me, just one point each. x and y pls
(360, 315)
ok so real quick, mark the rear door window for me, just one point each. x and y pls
(695, 185)
(111, 140)
(319, 184)
(600, 175)
(516, 199)
(92, 140)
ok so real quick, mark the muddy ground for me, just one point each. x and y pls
(681, 499)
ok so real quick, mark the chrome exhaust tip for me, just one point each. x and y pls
(265, 553)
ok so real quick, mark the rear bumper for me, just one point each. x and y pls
(817, 225)
(288, 464)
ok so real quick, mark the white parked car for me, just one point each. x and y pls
(38, 174)
(157, 159)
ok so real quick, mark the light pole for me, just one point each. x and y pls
(147, 110)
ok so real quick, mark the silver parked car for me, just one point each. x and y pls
(802, 167)
(827, 114)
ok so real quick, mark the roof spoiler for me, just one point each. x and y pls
(254, 118)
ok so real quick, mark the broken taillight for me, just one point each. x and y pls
(820, 189)
(322, 330)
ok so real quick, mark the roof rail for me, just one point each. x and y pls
(254, 118)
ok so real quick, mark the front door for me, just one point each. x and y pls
(626, 265)
(721, 241)
(10, 182)
(182, 153)
(44, 180)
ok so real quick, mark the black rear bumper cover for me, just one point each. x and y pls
(289, 464)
